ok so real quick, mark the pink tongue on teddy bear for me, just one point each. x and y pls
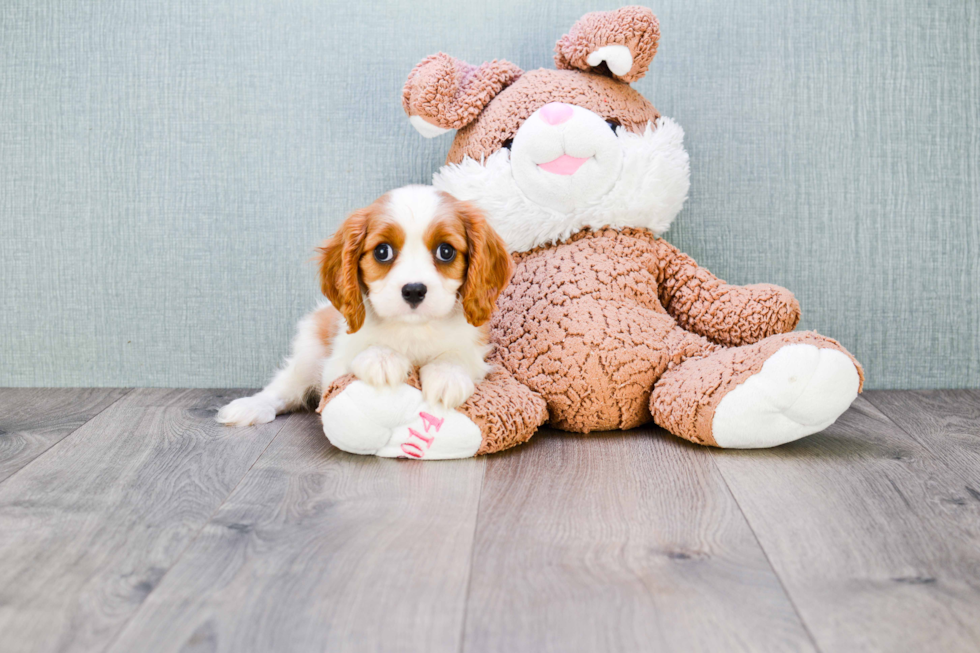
(564, 165)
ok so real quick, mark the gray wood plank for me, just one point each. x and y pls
(32, 420)
(947, 422)
(88, 530)
(319, 550)
(866, 530)
(619, 542)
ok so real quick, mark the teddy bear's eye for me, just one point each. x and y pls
(508, 143)
(613, 125)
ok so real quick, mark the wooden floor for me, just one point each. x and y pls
(130, 521)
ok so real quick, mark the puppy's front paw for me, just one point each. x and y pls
(380, 367)
(446, 385)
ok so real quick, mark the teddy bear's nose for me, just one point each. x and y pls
(556, 113)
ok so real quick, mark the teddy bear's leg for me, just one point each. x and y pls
(777, 390)
(398, 423)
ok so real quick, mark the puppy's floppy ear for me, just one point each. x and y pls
(340, 271)
(489, 266)
(620, 43)
(444, 93)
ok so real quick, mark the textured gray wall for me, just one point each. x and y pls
(167, 166)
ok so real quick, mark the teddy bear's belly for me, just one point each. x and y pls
(582, 325)
(594, 362)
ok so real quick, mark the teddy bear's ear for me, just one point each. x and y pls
(444, 93)
(621, 42)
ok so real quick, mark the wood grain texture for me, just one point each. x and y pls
(947, 422)
(151, 528)
(619, 542)
(89, 529)
(34, 419)
(869, 534)
(319, 550)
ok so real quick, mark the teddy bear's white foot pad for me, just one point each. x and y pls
(397, 423)
(800, 390)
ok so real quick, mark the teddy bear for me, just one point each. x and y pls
(605, 325)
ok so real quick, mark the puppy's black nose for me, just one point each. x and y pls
(413, 293)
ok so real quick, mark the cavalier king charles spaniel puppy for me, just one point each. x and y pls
(412, 280)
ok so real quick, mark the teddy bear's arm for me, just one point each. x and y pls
(726, 314)
(505, 413)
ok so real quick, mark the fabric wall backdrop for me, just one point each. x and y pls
(167, 166)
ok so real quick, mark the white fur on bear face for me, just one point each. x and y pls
(649, 192)
(582, 139)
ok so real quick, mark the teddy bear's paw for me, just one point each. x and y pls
(800, 390)
(396, 423)
(362, 418)
(434, 434)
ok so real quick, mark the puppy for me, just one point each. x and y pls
(412, 280)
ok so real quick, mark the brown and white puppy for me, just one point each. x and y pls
(412, 280)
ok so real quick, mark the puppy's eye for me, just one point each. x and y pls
(383, 253)
(445, 252)
(612, 125)
(508, 143)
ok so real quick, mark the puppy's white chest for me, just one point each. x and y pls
(426, 342)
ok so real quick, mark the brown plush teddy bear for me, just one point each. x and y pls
(604, 325)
